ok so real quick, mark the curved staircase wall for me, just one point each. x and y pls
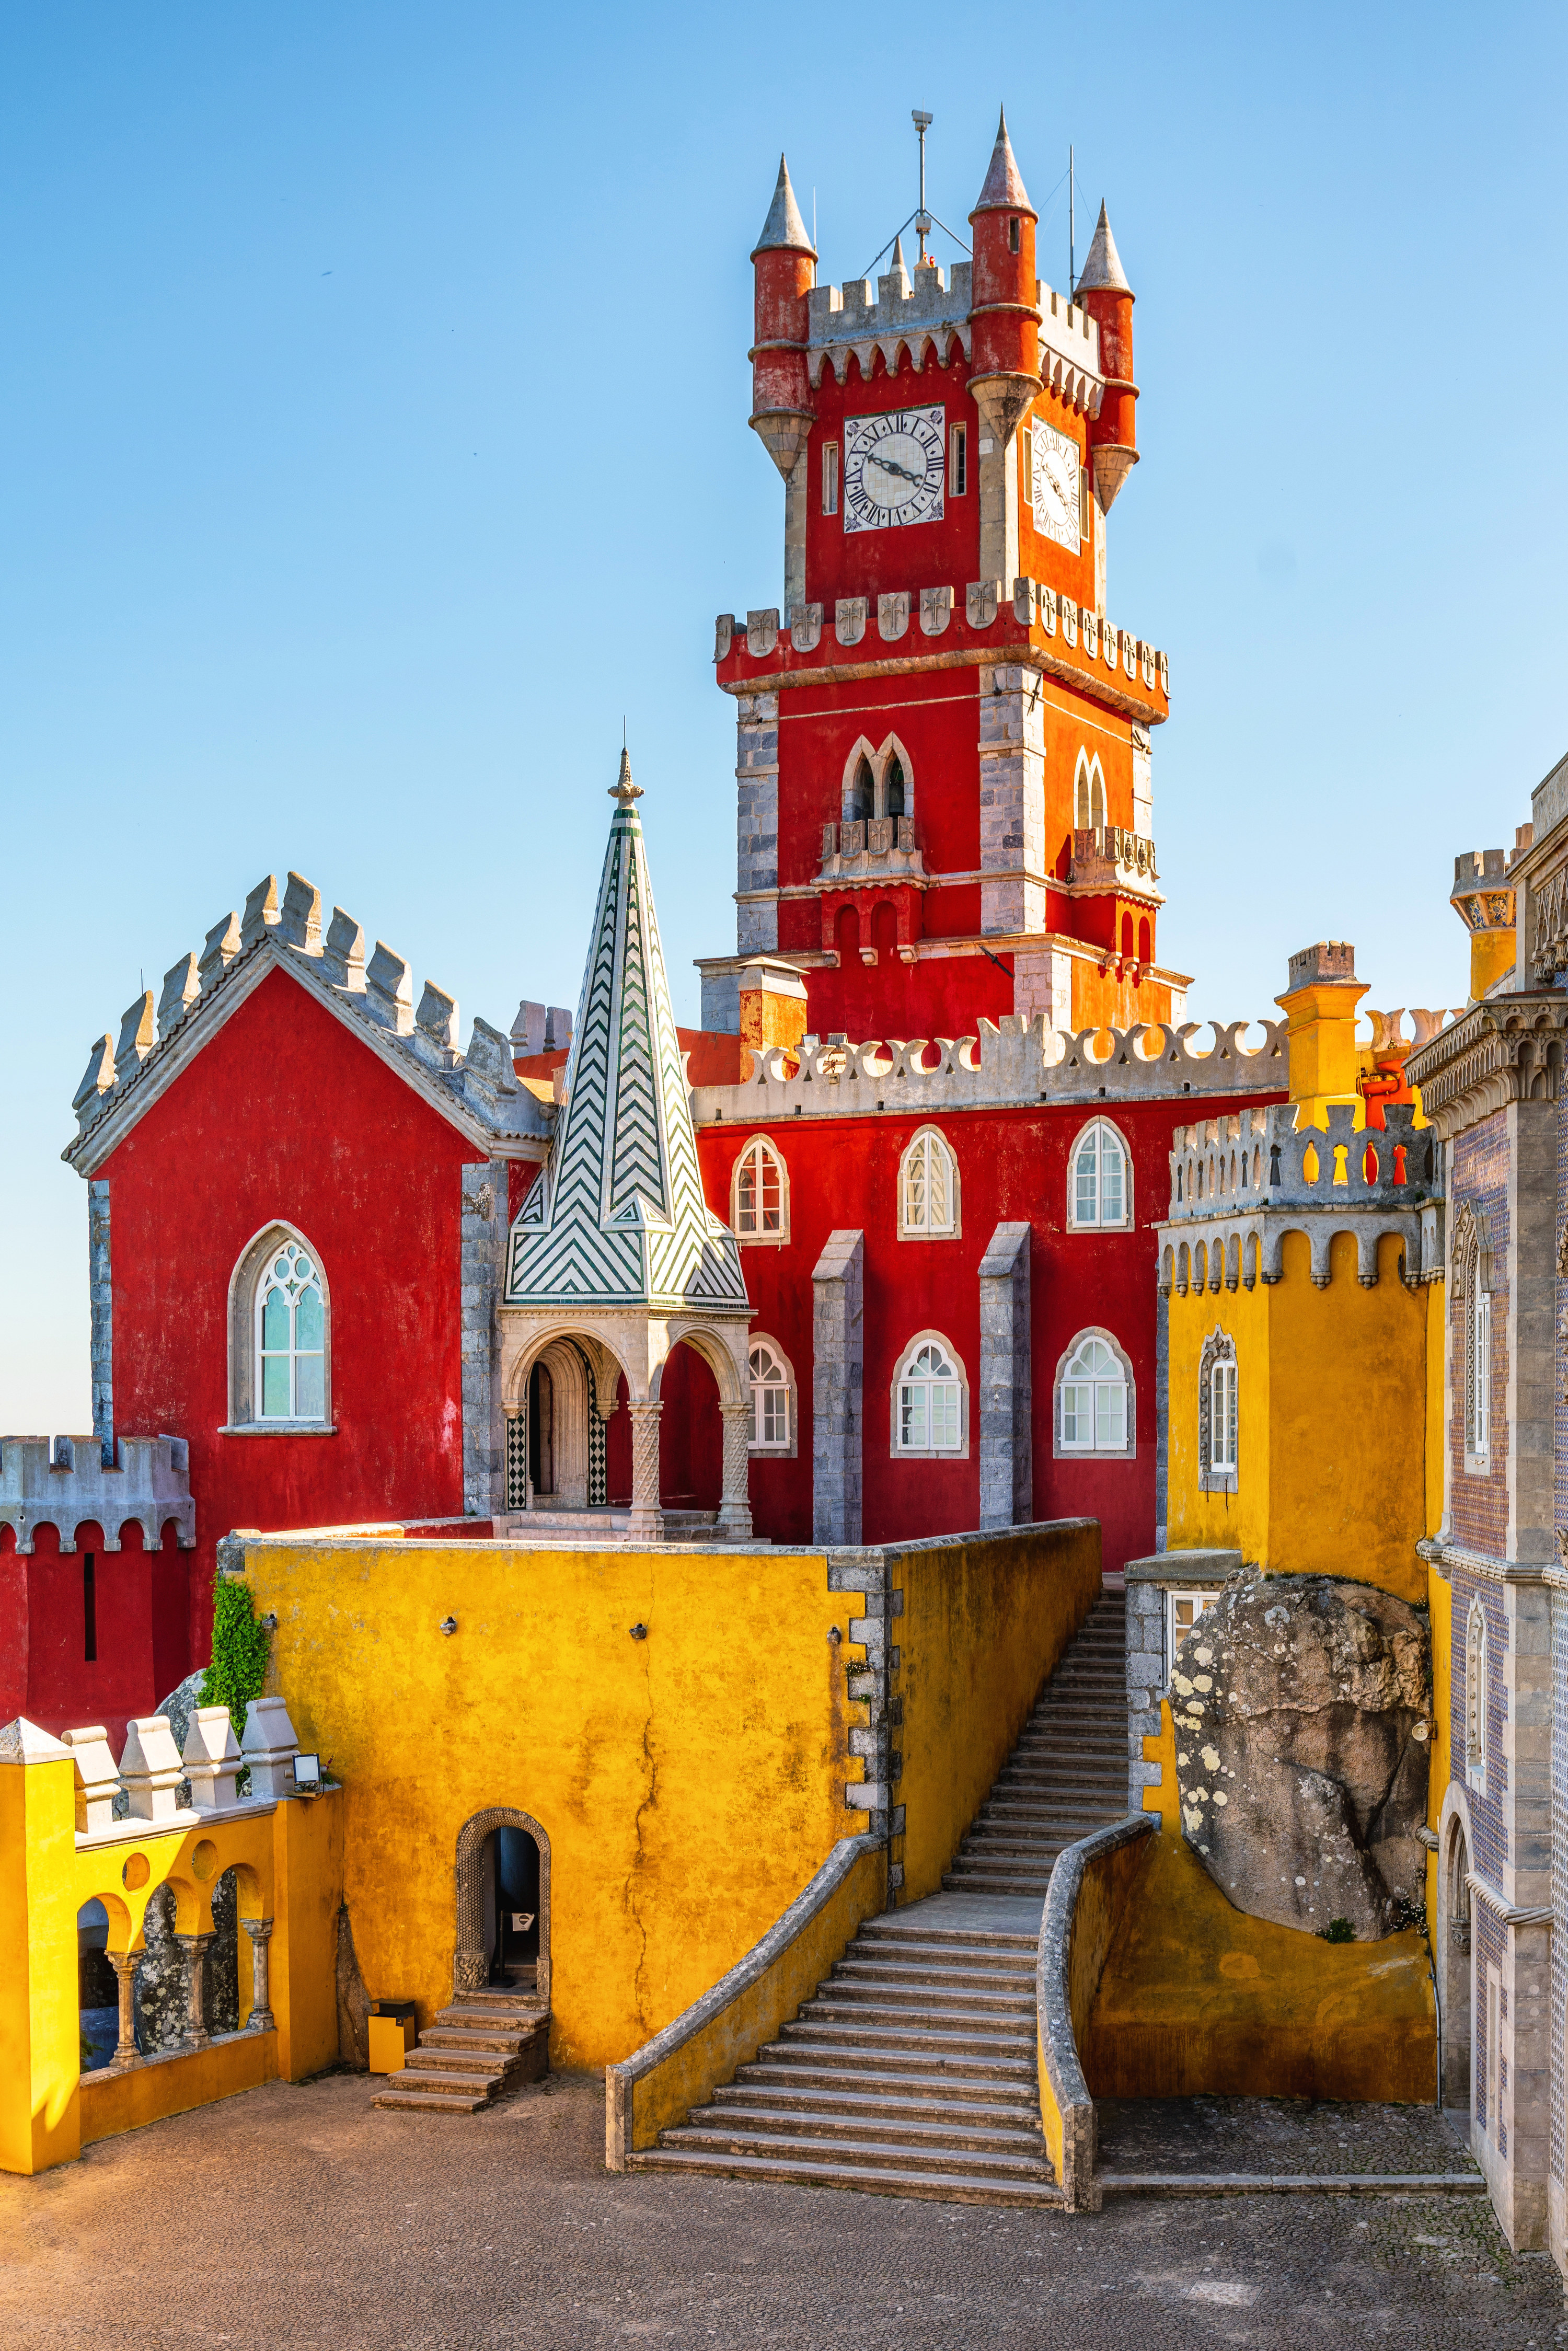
(1090, 1887)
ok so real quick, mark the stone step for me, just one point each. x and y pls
(456, 2084)
(834, 2060)
(860, 1967)
(864, 2119)
(886, 2015)
(955, 1881)
(486, 2064)
(897, 1926)
(433, 2102)
(875, 2154)
(797, 2169)
(998, 2001)
(926, 2040)
(457, 2036)
(871, 2096)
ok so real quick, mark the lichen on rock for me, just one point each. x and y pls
(1303, 1722)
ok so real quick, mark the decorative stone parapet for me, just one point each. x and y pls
(268, 1746)
(1108, 857)
(1008, 1063)
(67, 1485)
(150, 1768)
(97, 1777)
(868, 849)
(211, 1760)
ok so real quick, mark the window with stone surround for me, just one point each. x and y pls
(928, 1188)
(1473, 1264)
(280, 1322)
(1095, 1401)
(830, 477)
(1476, 1646)
(930, 1400)
(760, 1205)
(1088, 792)
(1183, 1610)
(1099, 1180)
(1219, 1415)
(773, 1414)
(958, 462)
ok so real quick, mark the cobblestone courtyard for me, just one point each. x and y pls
(299, 2217)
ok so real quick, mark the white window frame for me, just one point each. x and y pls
(901, 1379)
(756, 1148)
(771, 1449)
(830, 477)
(1222, 1415)
(1098, 1223)
(958, 461)
(1075, 1449)
(930, 1139)
(247, 1285)
(1217, 1363)
(1176, 1634)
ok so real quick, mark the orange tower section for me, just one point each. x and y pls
(945, 800)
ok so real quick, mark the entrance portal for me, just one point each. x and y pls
(1454, 1931)
(502, 1879)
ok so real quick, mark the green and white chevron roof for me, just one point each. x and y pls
(618, 1217)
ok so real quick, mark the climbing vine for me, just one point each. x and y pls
(238, 1671)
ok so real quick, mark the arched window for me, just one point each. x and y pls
(930, 1399)
(760, 1193)
(1100, 1178)
(862, 792)
(280, 1335)
(1219, 1412)
(1088, 792)
(928, 1188)
(1477, 1356)
(1095, 1399)
(772, 1398)
(1476, 1695)
(895, 786)
(290, 1339)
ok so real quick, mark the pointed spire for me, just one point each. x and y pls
(898, 279)
(623, 791)
(1004, 190)
(1102, 271)
(784, 227)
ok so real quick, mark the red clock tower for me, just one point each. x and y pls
(943, 739)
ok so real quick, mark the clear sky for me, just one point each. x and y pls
(372, 439)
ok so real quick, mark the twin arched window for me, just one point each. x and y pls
(928, 1188)
(759, 1209)
(1099, 1180)
(930, 1399)
(1088, 792)
(877, 783)
(280, 1346)
(1095, 1398)
(772, 1399)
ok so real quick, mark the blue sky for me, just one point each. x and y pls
(372, 438)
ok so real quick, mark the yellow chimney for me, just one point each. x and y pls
(1483, 898)
(772, 1004)
(1318, 1005)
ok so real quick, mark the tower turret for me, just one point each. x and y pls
(1104, 291)
(1004, 316)
(786, 270)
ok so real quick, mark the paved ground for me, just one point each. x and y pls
(299, 2217)
(1274, 2136)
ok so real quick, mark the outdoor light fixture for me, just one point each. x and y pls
(269, 1622)
(834, 1636)
(449, 1625)
(639, 1631)
(308, 1770)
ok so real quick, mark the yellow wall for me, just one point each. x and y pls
(983, 1625)
(1333, 1437)
(689, 1783)
(39, 2016)
(1197, 1998)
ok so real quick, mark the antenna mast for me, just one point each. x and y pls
(921, 219)
(1072, 260)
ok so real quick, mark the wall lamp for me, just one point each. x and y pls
(449, 1625)
(639, 1631)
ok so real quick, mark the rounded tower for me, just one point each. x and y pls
(1004, 314)
(1104, 291)
(786, 270)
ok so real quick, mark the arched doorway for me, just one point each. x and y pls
(503, 1877)
(555, 1433)
(1455, 1963)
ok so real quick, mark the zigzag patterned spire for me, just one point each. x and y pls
(619, 1217)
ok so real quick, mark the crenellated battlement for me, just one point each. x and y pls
(158, 1034)
(924, 315)
(65, 1483)
(1005, 1064)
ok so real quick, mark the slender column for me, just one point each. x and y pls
(647, 1519)
(195, 2035)
(734, 1501)
(261, 2019)
(124, 1966)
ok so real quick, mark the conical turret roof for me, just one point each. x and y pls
(784, 227)
(1004, 190)
(1102, 271)
(618, 1217)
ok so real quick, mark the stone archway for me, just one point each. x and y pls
(471, 1958)
(1454, 1963)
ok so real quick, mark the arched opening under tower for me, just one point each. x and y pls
(691, 1435)
(503, 1889)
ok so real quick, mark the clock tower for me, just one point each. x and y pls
(943, 739)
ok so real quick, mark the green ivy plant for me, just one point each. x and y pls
(238, 1671)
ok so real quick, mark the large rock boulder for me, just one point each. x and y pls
(1303, 1722)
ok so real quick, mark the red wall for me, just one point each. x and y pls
(1012, 1167)
(285, 1115)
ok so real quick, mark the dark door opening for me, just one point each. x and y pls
(541, 1430)
(512, 1906)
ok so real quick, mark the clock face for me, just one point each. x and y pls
(1054, 488)
(893, 467)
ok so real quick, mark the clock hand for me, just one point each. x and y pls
(889, 466)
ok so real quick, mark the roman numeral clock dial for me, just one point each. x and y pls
(893, 468)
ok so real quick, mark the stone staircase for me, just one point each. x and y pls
(1068, 1774)
(913, 2072)
(486, 2041)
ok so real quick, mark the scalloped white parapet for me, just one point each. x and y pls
(1008, 1063)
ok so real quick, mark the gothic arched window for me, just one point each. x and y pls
(862, 792)
(280, 1335)
(928, 1188)
(895, 786)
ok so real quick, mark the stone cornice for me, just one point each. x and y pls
(1096, 681)
(1445, 1556)
(1506, 1049)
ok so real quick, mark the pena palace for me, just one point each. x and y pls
(867, 1256)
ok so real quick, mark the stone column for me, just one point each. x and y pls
(734, 1502)
(838, 1388)
(195, 2035)
(1012, 799)
(1007, 1454)
(261, 2019)
(756, 822)
(647, 1519)
(124, 1966)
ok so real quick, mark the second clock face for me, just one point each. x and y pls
(893, 468)
(1053, 491)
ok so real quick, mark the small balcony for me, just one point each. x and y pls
(1108, 857)
(871, 849)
